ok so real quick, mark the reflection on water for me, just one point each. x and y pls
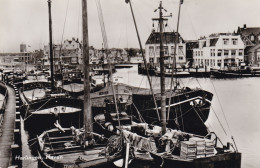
(236, 99)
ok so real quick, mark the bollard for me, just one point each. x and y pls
(17, 136)
(17, 124)
(13, 166)
(17, 115)
(16, 155)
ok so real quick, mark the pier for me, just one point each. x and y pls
(10, 130)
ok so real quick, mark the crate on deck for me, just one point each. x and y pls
(188, 150)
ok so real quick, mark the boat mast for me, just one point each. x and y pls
(87, 104)
(51, 49)
(163, 93)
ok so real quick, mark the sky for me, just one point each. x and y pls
(26, 21)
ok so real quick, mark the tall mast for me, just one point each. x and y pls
(87, 104)
(51, 49)
(163, 93)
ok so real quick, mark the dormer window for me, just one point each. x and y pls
(234, 41)
(225, 41)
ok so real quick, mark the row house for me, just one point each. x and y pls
(219, 50)
(250, 35)
(69, 53)
(251, 38)
(254, 55)
(152, 48)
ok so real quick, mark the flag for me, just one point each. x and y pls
(181, 1)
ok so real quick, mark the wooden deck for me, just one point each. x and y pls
(6, 140)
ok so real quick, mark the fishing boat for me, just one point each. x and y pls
(180, 73)
(46, 103)
(199, 72)
(71, 147)
(236, 72)
(187, 108)
(41, 103)
(176, 148)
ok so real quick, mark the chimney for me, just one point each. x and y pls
(244, 26)
(208, 42)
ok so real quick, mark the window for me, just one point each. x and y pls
(240, 52)
(151, 60)
(166, 51)
(225, 41)
(157, 50)
(219, 52)
(172, 50)
(198, 53)
(258, 55)
(201, 53)
(181, 58)
(180, 52)
(151, 51)
(226, 52)
(212, 52)
(233, 52)
(234, 41)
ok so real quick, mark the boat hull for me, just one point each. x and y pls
(227, 160)
(233, 74)
(185, 113)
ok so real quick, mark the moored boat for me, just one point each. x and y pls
(175, 148)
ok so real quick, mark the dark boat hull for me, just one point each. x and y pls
(233, 74)
(200, 74)
(185, 114)
(36, 123)
(227, 160)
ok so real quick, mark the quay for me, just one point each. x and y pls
(10, 130)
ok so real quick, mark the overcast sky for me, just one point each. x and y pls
(26, 21)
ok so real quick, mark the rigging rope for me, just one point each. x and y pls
(104, 37)
(145, 63)
(174, 64)
(221, 107)
(63, 28)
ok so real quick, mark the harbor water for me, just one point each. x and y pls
(236, 101)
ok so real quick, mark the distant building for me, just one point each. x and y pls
(69, 53)
(250, 35)
(190, 45)
(219, 50)
(254, 55)
(152, 48)
(16, 61)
